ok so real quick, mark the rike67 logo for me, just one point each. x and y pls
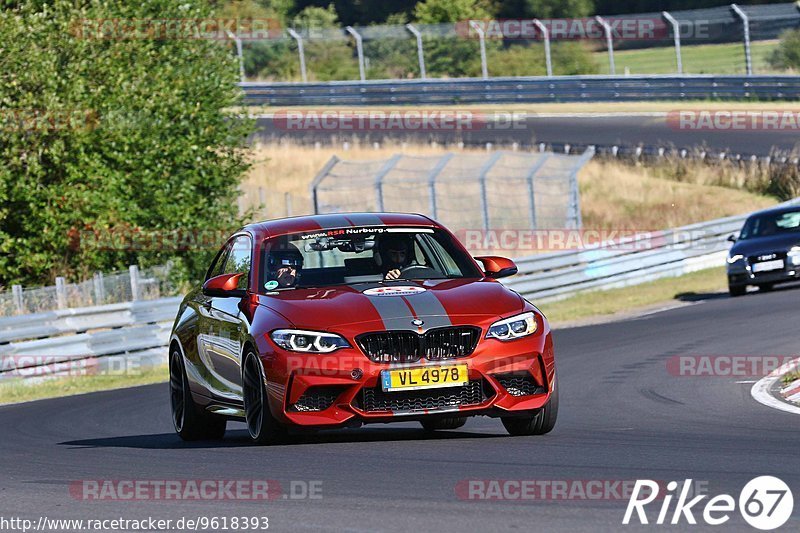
(766, 503)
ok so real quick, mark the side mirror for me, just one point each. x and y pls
(498, 267)
(732, 237)
(224, 285)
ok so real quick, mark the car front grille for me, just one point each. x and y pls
(473, 393)
(316, 399)
(767, 256)
(409, 347)
(520, 384)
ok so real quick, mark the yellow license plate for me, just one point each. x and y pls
(425, 377)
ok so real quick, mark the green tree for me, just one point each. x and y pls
(439, 11)
(545, 9)
(149, 143)
(787, 55)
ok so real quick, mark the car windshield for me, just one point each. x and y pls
(362, 255)
(771, 224)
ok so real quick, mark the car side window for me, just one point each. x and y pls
(219, 262)
(238, 260)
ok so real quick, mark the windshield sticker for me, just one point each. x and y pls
(394, 291)
(271, 285)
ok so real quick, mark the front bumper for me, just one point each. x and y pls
(344, 388)
(743, 275)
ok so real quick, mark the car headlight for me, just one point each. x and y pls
(513, 328)
(734, 258)
(297, 340)
(794, 255)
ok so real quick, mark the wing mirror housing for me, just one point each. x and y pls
(224, 285)
(498, 267)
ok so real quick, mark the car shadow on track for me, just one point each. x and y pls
(240, 438)
(705, 296)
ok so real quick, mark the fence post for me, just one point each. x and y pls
(676, 30)
(301, 52)
(420, 50)
(318, 179)
(16, 293)
(134, 273)
(574, 201)
(434, 207)
(239, 53)
(379, 179)
(546, 36)
(61, 293)
(748, 57)
(482, 180)
(99, 288)
(529, 180)
(287, 198)
(610, 43)
(359, 50)
(482, 41)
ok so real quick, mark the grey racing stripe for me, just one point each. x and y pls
(331, 221)
(426, 304)
(393, 310)
(365, 219)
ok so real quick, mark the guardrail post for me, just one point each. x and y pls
(482, 180)
(432, 182)
(318, 180)
(61, 293)
(239, 53)
(676, 30)
(482, 41)
(134, 273)
(748, 57)
(609, 43)
(99, 288)
(16, 293)
(420, 51)
(379, 179)
(359, 50)
(546, 38)
(301, 52)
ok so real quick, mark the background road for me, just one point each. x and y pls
(623, 417)
(607, 130)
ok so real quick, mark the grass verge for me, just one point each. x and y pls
(689, 287)
(15, 391)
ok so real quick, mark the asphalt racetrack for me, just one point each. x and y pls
(646, 129)
(623, 416)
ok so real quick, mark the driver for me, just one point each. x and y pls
(394, 254)
(284, 264)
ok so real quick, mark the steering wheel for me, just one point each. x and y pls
(421, 269)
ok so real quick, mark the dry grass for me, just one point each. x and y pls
(613, 195)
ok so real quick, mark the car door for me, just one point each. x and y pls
(223, 326)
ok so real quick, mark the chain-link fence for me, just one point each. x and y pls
(117, 287)
(499, 190)
(529, 47)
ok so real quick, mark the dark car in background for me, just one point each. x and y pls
(766, 252)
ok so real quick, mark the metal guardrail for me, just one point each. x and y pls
(628, 262)
(523, 90)
(73, 340)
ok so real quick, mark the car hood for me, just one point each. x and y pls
(437, 303)
(762, 245)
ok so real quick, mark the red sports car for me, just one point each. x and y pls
(330, 321)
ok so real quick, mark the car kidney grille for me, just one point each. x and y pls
(409, 347)
(375, 399)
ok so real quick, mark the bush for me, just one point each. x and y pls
(148, 145)
(787, 55)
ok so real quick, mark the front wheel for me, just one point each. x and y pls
(540, 423)
(190, 421)
(263, 427)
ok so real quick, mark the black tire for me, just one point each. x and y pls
(737, 290)
(766, 287)
(263, 427)
(443, 423)
(190, 422)
(540, 423)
